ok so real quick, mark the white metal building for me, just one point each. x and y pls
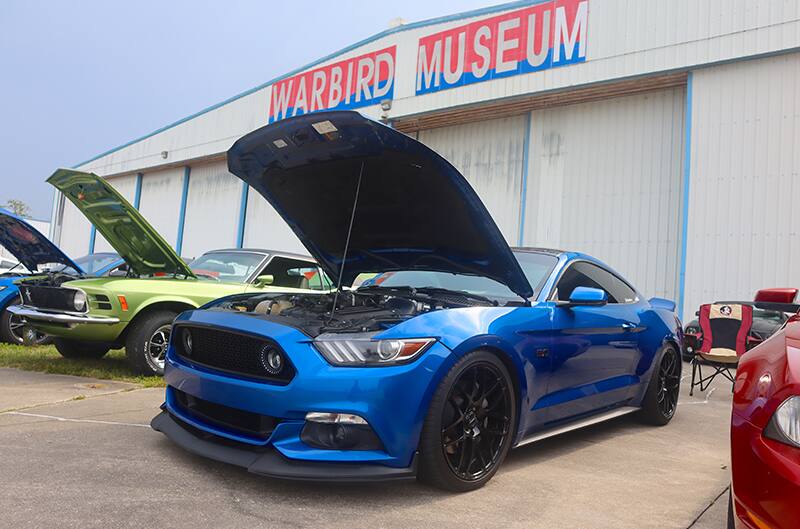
(662, 136)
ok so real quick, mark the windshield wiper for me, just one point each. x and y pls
(427, 292)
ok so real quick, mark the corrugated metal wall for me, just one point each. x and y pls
(744, 197)
(489, 154)
(74, 240)
(161, 199)
(264, 228)
(212, 209)
(605, 178)
(126, 186)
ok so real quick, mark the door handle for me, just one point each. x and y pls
(628, 326)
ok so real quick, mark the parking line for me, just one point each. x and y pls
(64, 419)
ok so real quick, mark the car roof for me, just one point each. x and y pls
(263, 251)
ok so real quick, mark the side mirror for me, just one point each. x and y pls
(118, 273)
(587, 297)
(262, 281)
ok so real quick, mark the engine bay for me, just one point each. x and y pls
(370, 310)
(48, 279)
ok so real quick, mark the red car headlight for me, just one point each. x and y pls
(785, 423)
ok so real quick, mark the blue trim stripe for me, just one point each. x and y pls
(242, 215)
(187, 171)
(137, 195)
(687, 172)
(92, 239)
(380, 35)
(526, 148)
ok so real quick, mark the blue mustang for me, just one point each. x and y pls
(36, 253)
(459, 349)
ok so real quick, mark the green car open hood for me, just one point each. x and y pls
(134, 239)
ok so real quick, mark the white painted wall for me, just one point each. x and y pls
(264, 228)
(605, 178)
(161, 200)
(212, 209)
(745, 180)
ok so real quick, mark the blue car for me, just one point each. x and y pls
(37, 255)
(456, 349)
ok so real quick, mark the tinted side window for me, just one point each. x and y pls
(583, 274)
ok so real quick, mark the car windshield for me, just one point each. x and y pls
(536, 267)
(235, 267)
(93, 263)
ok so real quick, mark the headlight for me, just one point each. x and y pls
(2, 287)
(363, 350)
(79, 300)
(785, 423)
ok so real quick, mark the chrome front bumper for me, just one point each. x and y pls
(33, 314)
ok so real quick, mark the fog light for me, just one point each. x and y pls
(271, 360)
(339, 431)
(186, 339)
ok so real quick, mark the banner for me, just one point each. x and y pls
(352, 83)
(531, 39)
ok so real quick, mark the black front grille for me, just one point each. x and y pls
(53, 298)
(231, 352)
(253, 424)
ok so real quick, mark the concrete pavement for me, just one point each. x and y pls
(94, 463)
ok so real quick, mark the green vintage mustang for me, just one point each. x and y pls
(87, 317)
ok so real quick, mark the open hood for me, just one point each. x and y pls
(413, 210)
(134, 239)
(30, 247)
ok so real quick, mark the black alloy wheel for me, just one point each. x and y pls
(661, 399)
(470, 424)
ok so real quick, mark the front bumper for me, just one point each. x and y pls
(268, 462)
(63, 318)
(766, 478)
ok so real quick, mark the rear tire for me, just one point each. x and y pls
(146, 344)
(661, 400)
(470, 424)
(74, 349)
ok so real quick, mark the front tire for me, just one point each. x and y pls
(147, 341)
(661, 400)
(13, 330)
(73, 349)
(469, 427)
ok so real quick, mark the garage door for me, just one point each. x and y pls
(489, 154)
(605, 178)
(212, 209)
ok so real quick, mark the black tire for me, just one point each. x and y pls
(731, 522)
(147, 340)
(478, 384)
(75, 349)
(13, 331)
(661, 400)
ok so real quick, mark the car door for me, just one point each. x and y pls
(595, 349)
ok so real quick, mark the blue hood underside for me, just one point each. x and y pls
(30, 247)
(413, 210)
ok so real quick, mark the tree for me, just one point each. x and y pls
(18, 207)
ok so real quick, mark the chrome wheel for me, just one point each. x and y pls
(21, 333)
(477, 421)
(156, 347)
(669, 381)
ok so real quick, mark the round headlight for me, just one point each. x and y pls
(271, 360)
(79, 301)
(186, 339)
(389, 349)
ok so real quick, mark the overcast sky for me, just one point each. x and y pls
(79, 78)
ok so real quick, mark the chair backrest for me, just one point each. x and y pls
(725, 328)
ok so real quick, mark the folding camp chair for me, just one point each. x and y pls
(726, 328)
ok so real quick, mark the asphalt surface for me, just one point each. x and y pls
(94, 462)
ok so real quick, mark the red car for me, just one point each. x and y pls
(765, 430)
